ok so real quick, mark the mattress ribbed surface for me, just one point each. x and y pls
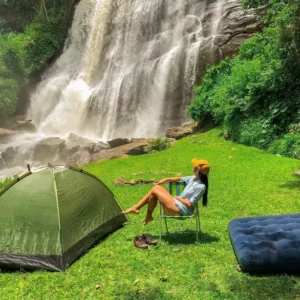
(267, 244)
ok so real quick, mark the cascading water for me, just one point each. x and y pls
(123, 62)
(127, 70)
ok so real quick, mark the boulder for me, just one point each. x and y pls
(75, 143)
(79, 158)
(106, 154)
(48, 150)
(177, 133)
(182, 131)
(26, 126)
(8, 156)
(118, 142)
(134, 148)
(97, 147)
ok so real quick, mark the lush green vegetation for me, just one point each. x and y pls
(256, 94)
(7, 181)
(244, 181)
(158, 145)
(31, 32)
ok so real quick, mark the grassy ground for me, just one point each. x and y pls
(243, 182)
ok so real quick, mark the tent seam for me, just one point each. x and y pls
(58, 215)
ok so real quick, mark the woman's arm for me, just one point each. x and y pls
(171, 179)
(185, 202)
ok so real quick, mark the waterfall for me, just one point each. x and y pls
(127, 69)
(217, 14)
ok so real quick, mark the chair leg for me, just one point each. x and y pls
(160, 224)
(166, 223)
(197, 228)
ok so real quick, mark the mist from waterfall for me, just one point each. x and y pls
(124, 67)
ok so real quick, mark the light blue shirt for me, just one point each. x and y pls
(193, 191)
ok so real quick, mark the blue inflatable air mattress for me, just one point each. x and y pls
(267, 244)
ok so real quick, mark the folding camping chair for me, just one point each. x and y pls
(177, 187)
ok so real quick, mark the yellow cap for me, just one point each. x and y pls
(202, 164)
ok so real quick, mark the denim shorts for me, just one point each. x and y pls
(184, 211)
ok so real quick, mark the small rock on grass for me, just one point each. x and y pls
(176, 250)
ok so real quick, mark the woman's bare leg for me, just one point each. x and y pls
(156, 193)
(151, 206)
(136, 208)
(166, 199)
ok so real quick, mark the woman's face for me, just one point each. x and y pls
(195, 170)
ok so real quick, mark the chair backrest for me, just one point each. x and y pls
(176, 188)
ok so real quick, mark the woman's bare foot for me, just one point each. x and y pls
(131, 210)
(147, 220)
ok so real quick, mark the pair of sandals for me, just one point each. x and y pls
(144, 240)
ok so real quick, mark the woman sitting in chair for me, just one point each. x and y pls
(183, 205)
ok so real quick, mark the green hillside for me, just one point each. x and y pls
(244, 181)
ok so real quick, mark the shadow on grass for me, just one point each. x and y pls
(293, 184)
(148, 293)
(264, 286)
(188, 237)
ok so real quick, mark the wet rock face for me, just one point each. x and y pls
(49, 150)
(26, 126)
(74, 143)
(220, 40)
(18, 123)
(79, 158)
(8, 157)
(236, 26)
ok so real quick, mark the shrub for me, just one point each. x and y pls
(289, 145)
(25, 52)
(159, 144)
(7, 181)
(255, 133)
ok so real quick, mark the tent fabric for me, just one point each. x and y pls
(49, 218)
(267, 244)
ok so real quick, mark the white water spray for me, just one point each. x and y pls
(124, 61)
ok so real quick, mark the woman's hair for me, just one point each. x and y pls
(204, 179)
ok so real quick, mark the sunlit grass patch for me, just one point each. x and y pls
(244, 182)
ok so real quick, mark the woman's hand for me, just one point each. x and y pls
(162, 181)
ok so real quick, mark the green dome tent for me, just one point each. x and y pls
(48, 218)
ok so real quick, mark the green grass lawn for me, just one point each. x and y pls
(244, 182)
